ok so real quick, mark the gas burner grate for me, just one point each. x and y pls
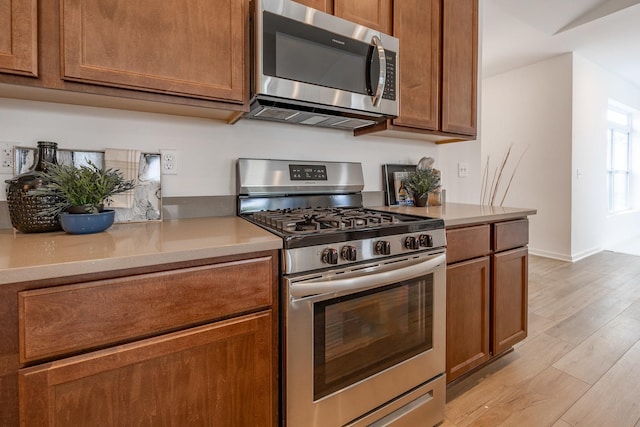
(305, 220)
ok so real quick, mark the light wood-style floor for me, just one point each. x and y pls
(580, 364)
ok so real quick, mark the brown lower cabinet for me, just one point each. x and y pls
(468, 297)
(190, 343)
(509, 298)
(487, 277)
(218, 374)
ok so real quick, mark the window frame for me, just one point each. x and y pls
(614, 128)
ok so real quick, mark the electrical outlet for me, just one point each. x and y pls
(169, 162)
(463, 169)
(6, 158)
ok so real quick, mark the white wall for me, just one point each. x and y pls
(557, 111)
(530, 109)
(593, 226)
(460, 189)
(208, 149)
(588, 174)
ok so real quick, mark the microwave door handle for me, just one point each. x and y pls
(382, 77)
(367, 281)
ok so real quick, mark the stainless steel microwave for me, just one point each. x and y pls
(317, 69)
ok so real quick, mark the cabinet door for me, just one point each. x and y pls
(194, 48)
(509, 298)
(219, 374)
(375, 14)
(467, 316)
(459, 66)
(18, 37)
(417, 25)
(323, 5)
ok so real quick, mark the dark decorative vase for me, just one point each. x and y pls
(25, 209)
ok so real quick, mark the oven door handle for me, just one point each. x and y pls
(367, 281)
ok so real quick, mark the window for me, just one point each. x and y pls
(618, 159)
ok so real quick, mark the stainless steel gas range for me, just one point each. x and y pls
(363, 297)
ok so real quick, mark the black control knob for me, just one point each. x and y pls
(330, 256)
(382, 247)
(426, 240)
(411, 243)
(349, 253)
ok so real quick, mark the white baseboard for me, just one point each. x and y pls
(564, 257)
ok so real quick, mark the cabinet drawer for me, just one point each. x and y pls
(77, 317)
(510, 234)
(466, 243)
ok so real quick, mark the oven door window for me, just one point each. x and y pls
(359, 335)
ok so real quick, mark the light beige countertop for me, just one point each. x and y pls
(34, 256)
(456, 214)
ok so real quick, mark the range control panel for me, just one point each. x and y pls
(308, 172)
(350, 252)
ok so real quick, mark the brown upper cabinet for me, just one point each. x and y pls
(323, 5)
(438, 70)
(375, 14)
(19, 37)
(193, 48)
(192, 58)
(188, 58)
(459, 66)
(417, 25)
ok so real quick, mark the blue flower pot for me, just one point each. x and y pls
(86, 223)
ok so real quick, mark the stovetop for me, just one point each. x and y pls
(300, 227)
(314, 220)
(317, 209)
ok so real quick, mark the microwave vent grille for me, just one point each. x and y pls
(316, 117)
(276, 114)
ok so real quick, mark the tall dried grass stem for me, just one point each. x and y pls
(494, 192)
(489, 193)
(504, 196)
(485, 178)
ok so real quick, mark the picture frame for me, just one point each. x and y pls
(392, 175)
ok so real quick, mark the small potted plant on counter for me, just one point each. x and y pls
(82, 192)
(424, 182)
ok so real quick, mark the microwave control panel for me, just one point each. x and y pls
(390, 85)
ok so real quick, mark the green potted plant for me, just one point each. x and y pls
(81, 193)
(421, 183)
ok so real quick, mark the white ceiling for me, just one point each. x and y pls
(521, 32)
